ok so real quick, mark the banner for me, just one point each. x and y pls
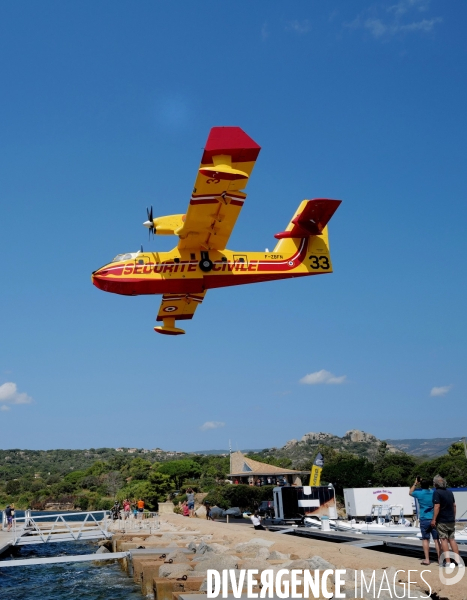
(315, 475)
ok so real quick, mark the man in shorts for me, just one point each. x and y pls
(444, 517)
(190, 500)
(9, 513)
(424, 498)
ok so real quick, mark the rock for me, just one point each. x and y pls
(276, 555)
(316, 437)
(202, 548)
(262, 553)
(218, 548)
(258, 563)
(219, 562)
(103, 550)
(355, 435)
(319, 563)
(173, 570)
(177, 557)
(299, 564)
(253, 545)
(193, 547)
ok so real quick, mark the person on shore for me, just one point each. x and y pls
(256, 520)
(208, 511)
(444, 517)
(115, 510)
(140, 507)
(126, 508)
(185, 509)
(190, 499)
(10, 513)
(424, 496)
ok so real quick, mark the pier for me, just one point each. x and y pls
(45, 529)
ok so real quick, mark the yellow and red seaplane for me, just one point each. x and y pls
(201, 261)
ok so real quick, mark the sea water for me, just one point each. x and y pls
(64, 581)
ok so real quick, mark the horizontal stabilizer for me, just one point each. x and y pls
(311, 220)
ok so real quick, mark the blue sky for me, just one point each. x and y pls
(105, 108)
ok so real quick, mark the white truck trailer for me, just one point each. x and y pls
(460, 496)
(359, 501)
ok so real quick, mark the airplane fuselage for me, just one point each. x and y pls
(180, 271)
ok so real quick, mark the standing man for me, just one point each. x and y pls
(190, 500)
(140, 505)
(9, 512)
(424, 497)
(444, 517)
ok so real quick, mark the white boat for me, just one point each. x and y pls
(381, 524)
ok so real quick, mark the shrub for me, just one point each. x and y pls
(246, 497)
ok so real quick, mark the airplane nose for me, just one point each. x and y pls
(98, 277)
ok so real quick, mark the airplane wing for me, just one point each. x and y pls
(179, 306)
(217, 199)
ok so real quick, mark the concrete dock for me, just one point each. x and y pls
(7, 538)
(194, 545)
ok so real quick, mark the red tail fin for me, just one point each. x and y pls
(312, 219)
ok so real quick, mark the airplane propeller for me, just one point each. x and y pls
(150, 223)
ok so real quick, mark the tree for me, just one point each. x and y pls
(452, 468)
(394, 469)
(346, 471)
(456, 449)
(152, 492)
(13, 487)
(179, 470)
(113, 482)
(98, 468)
(139, 468)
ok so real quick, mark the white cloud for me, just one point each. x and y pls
(424, 25)
(4, 407)
(320, 377)
(405, 5)
(299, 27)
(440, 391)
(9, 394)
(376, 27)
(212, 425)
(395, 20)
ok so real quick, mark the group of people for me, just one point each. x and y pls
(128, 508)
(260, 481)
(437, 517)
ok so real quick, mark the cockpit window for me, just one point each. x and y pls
(122, 257)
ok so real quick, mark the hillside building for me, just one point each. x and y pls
(252, 472)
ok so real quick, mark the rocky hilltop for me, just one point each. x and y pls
(355, 441)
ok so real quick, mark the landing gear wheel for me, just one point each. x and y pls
(205, 264)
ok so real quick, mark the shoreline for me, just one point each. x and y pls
(258, 549)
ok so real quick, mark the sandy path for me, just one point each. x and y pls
(340, 555)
